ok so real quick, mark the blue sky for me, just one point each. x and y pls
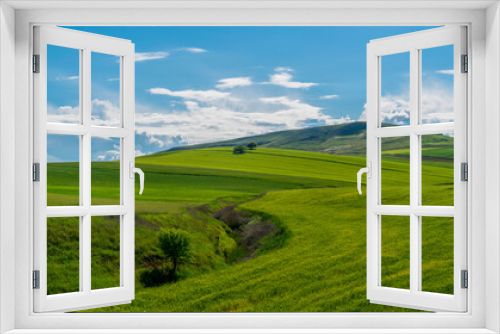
(202, 84)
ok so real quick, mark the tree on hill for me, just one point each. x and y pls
(252, 145)
(239, 149)
(176, 246)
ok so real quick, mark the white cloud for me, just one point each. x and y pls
(283, 69)
(234, 82)
(198, 95)
(202, 122)
(63, 114)
(284, 78)
(193, 50)
(110, 155)
(70, 78)
(394, 109)
(284, 100)
(145, 56)
(195, 121)
(329, 97)
(105, 113)
(297, 114)
(448, 72)
(113, 79)
(437, 106)
(105, 148)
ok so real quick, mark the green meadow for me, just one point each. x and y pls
(272, 230)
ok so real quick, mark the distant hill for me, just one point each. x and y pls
(341, 139)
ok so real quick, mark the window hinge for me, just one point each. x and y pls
(465, 64)
(36, 172)
(36, 279)
(36, 63)
(465, 279)
(464, 171)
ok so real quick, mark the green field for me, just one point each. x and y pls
(302, 247)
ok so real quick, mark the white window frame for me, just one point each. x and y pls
(483, 248)
(413, 44)
(86, 44)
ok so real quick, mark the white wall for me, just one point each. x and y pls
(7, 161)
(492, 163)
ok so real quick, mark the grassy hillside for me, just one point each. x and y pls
(342, 139)
(313, 260)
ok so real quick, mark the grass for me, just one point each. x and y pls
(318, 265)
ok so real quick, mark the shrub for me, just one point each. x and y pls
(239, 149)
(252, 146)
(176, 246)
(153, 277)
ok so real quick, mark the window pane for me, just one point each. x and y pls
(105, 90)
(63, 170)
(437, 169)
(395, 89)
(105, 248)
(63, 255)
(437, 254)
(106, 155)
(437, 85)
(63, 84)
(395, 162)
(395, 251)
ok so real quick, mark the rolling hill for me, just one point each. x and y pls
(341, 139)
(299, 205)
(319, 266)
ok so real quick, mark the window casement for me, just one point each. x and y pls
(417, 210)
(85, 44)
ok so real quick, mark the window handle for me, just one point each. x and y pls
(368, 171)
(134, 170)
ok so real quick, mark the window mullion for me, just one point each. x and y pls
(127, 183)
(85, 162)
(415, 257)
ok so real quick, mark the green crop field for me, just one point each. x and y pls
(272, 230)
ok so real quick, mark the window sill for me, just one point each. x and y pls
(253, 331)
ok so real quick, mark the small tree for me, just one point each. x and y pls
(252, 146)
(239, 149)
(176, 246)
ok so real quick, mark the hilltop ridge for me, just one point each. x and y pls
(341, 139)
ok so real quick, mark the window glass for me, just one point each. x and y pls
(63, 170)
(105, 234)
(63, 255)
(437, 85)
(395, 171)
(106, 166)
(63, 85)
(105, 90)
(437, 254)
(438, 169)
(395, 89)
(395, 235)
